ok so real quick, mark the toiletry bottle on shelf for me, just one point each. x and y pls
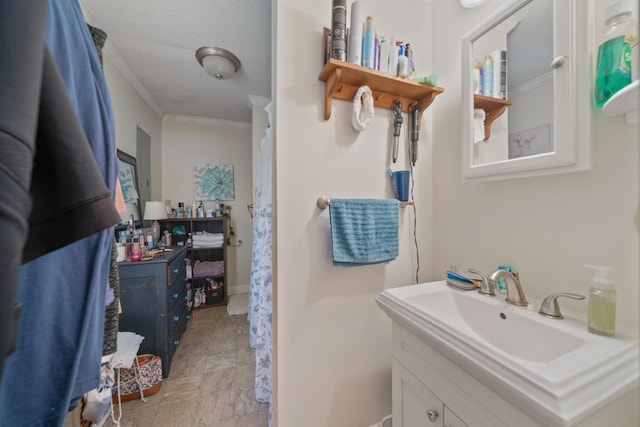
(477, 77)
(201, 210)
(613, 69)
(602, 302)
(368, 42)
(487, 76)
(339, 30)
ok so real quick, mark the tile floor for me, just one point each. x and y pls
(211, 383)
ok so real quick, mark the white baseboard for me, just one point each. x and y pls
(239, 289)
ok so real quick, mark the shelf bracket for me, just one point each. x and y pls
(330, 89)
(491, 115)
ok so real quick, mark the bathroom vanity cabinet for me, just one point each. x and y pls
(153, 296)
(212, 286)
(417, 405)
(425, 382)
(429, 389)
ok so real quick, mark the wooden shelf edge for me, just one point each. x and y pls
(342, 81)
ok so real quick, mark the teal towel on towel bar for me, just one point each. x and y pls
(363, 231)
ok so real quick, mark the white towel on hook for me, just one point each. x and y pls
(478, 125)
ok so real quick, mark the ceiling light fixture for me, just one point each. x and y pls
(218, 62)
(472, 3)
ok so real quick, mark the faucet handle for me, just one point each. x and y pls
(486, 287)
(550, 307)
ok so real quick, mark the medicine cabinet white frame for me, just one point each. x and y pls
(574, 38)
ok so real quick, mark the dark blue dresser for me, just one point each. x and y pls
(153, 295)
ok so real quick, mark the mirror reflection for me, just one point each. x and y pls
(128, 177)
(513, 108)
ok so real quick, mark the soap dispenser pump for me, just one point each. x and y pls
(602, 302)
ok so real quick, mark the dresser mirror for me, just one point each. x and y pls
(530, 114)
(128, 177)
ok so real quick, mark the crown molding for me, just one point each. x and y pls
(206, 121)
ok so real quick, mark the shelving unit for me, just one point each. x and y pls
(493, 108)
(213, 285)
(342, 81)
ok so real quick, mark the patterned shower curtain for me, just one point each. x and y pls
(260, 295)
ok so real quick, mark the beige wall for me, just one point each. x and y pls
(333, 342)
(130, 110)
(191, 141)
(548, 227)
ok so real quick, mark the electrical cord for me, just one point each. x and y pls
(415, 215)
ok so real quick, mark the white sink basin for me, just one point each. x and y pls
(556, 366)
(516, 331)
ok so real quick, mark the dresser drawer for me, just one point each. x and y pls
(176, 331)
(177, 303)
(174, 293)
(176, 270)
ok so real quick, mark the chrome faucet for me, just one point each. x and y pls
(486, 285)
(515, 294)
(550, 307)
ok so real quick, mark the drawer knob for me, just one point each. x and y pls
(188, 316)
(432, 414)
(175, 295)
(176, 318)
(176, 342)
(186, 297)
(175, 270)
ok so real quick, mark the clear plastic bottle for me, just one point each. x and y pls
(602, 302)
(613, 70)
(487, 76)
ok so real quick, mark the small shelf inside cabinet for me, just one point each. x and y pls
(493, 108)
(342, 81)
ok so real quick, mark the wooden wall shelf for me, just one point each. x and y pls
(493, 108)
(342, 81)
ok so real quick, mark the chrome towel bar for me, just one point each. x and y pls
(324, 202)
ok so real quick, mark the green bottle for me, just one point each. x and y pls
(613, 70)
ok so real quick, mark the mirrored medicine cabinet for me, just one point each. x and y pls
(539, 123)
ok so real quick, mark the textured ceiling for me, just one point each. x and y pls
(154, 42)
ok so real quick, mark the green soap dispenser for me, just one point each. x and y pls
(613, 70)
(602, 302)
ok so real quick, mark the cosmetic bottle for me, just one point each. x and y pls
(368, 42)
(135, 252)
(613, 70)
(487, 76)
(602, 302)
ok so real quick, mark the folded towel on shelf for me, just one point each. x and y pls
(204, 236)
(208, 268)
(363, 231)
(202, 239)
(478, 125)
